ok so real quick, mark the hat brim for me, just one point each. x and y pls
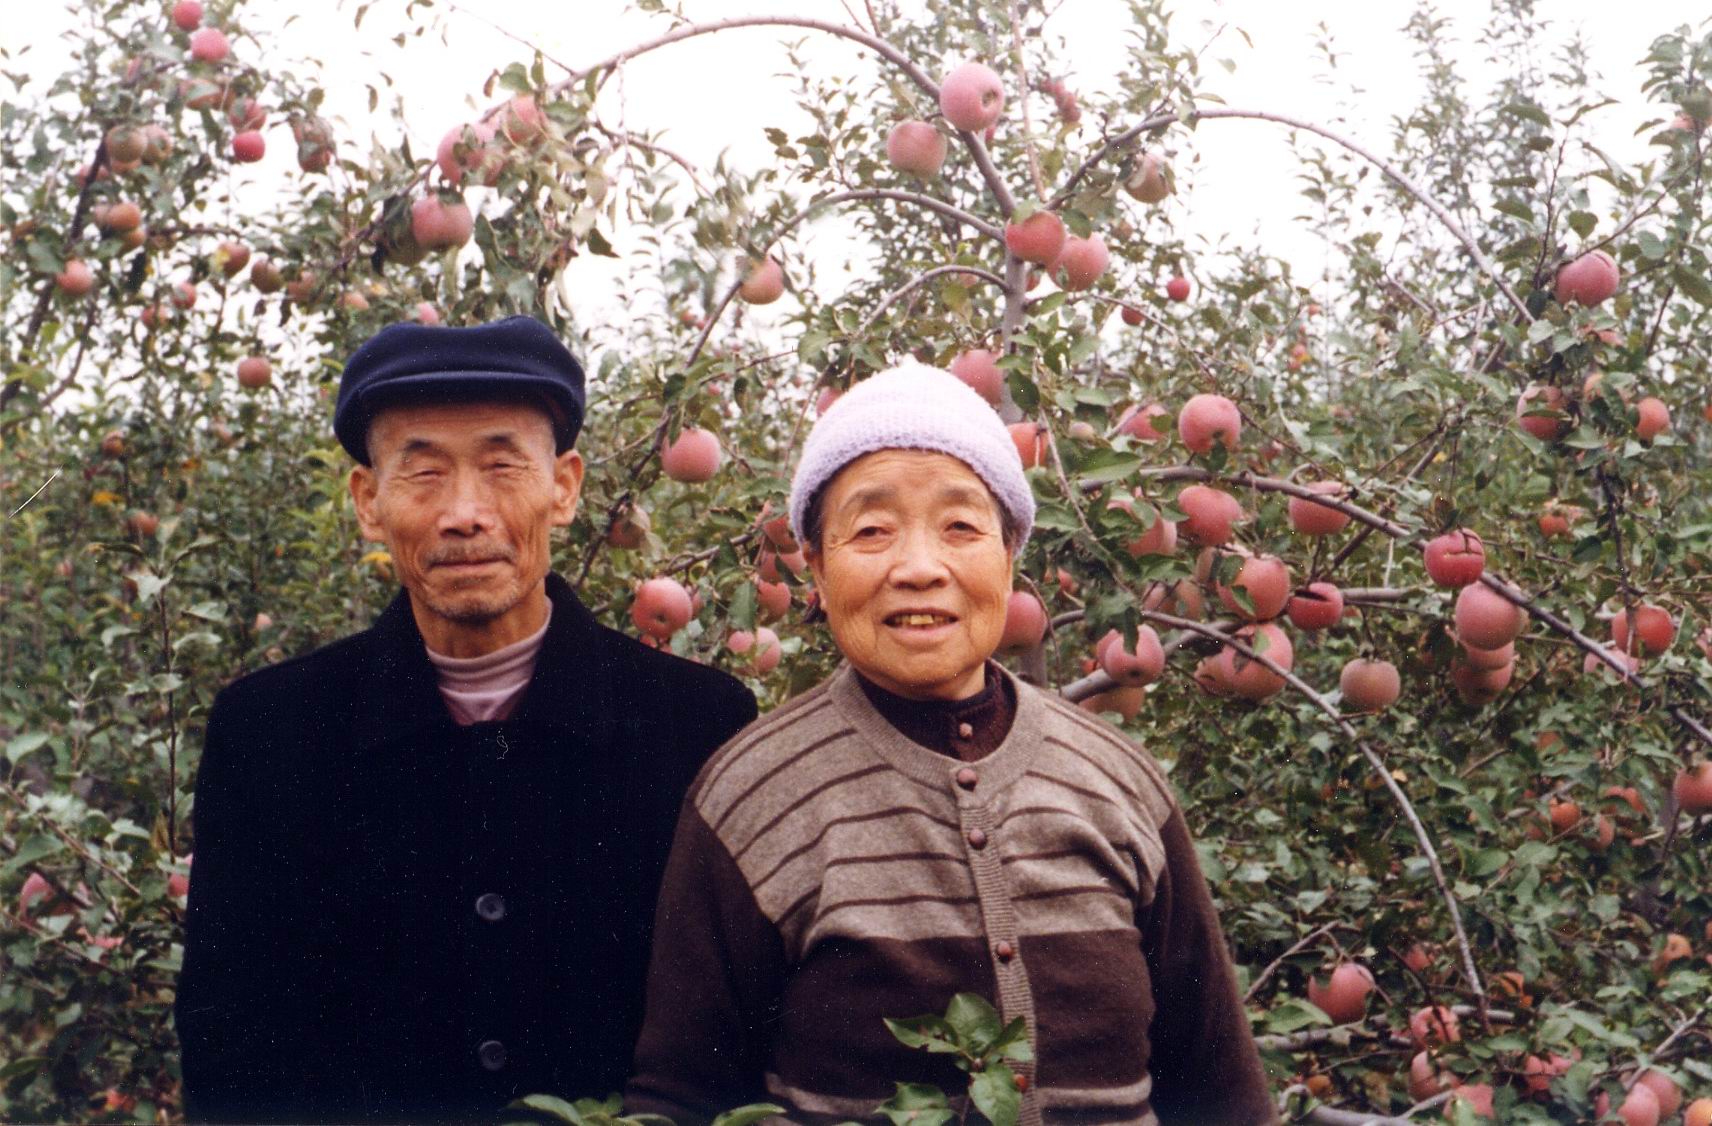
(352, 425)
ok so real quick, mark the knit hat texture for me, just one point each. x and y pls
(914, 407)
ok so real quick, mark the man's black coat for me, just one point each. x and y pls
(395, 918)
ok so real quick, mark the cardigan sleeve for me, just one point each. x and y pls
(1204, 1063)
(714, 984)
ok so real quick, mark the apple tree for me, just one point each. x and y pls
(1401, 572)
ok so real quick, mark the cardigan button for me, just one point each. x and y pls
(491, 906)
(1004, 950)
(977, 838)
(964, 731)
(967, 778)
(491, 1053)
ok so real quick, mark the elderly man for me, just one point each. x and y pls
(923, 824)
(427, 855)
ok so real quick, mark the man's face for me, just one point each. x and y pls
(464, 496)
(913, 572)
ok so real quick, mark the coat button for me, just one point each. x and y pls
(967, 778)
(492, 1054)
(964, 731)
(1005, 951)
(977, 838)
(491, 906)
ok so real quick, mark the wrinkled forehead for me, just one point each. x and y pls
(466, 424)
(906, 479)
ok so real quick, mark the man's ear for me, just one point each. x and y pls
(567, 486)
(364, 485)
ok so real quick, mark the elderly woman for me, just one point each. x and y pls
(924, 824)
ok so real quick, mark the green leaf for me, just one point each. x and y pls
(33, 850)
(1692, 284)
(994, 1092)
(1582, 222)
(550, 1105)
(23, 744)
(1012, 1043)
(917, 1104)
(973, 1018)
(748, 1115)
(1516, 208)
(929, 1033)
(1023, 392)
(1296, 1014)
(1527, 112)
(1113, 470)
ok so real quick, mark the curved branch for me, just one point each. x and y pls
(995, 182)
(916, 282)
(1395, 175)
(1383, 772)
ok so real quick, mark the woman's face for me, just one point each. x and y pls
(913, 572)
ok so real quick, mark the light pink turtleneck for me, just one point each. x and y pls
(478, 689)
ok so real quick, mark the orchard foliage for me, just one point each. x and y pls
(1510, 832)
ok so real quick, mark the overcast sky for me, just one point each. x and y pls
(717, 93)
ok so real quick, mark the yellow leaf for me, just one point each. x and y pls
(103, 497)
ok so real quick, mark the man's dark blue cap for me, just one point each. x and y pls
(516, 358)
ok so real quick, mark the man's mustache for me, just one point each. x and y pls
(471, 554)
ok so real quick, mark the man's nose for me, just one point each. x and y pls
(468, 507)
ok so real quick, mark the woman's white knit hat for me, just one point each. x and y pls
(914, 407)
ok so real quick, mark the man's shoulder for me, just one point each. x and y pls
(325, 673)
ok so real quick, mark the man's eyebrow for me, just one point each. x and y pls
(502, 440)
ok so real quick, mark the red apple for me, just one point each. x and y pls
(1025, 622)
(184, 295)
(254, 373)
(1081, 262)
(1145, 423)
(630, 528)
(248, 147)
(467, 149)
(662, 607)
(157, 144)
(979, 368)
(1030, 439)
(1315, 606)
(187, 15)
(439, 223)
(1655, 630)
(1147, 181)
(1698, 1113)
(1587, 280)
(763, 282)
(1247, 677)
(1425, 1080)
(1489, 660)
(35, 887)
(693, 458)
(76, 280)
(266, 277)
(1311, 518)
(209, 45)
(774, 599)
(521, 120)
(1344, 996)
(1431, 1026)
(1209, 514)
(1532, 415)
(1266, 580)
(1486, 619)
(1652, 418)
(1159, 539)
(1206, 419)
(247, 113)
(1131, 315)
(1038, 239)
(426, 314)
(126, 145)
(767, 651)
(917, 148)
(1177, 288)
(119, 217)
(741, 641)
(1137, 665)
(1693, 788)
(1477, 1095)
(971, 97)
(230, 258)
(1456, 558)
(1369, 685)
